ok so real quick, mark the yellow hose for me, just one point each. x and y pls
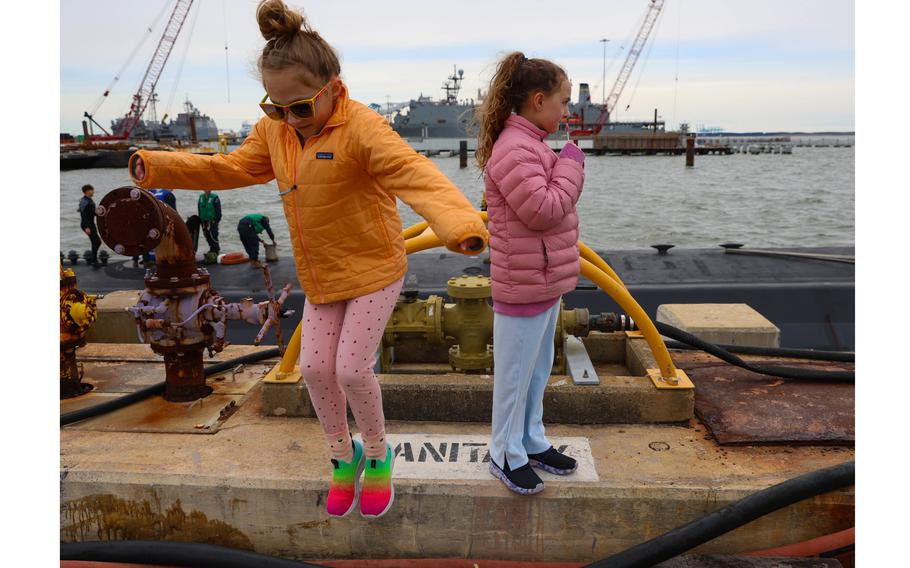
(425, 240)
(588, 254)
(292, 352)
(625, 300)
(414, 230)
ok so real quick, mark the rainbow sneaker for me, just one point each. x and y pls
(345, 484)
(378, 491)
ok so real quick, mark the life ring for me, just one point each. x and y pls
(233, 258)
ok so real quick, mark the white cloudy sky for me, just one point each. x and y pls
(741, 65)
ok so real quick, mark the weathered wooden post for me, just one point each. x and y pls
(690, 151)
(463, 154)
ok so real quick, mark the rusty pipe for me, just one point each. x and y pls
(132, 221)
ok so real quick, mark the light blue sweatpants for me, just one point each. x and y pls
(522, 360)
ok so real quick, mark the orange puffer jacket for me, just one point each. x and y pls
(338, 191)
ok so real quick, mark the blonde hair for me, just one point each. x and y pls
(290, 41)
(515, 79)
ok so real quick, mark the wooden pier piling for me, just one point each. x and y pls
(463, 154)
(690, 151)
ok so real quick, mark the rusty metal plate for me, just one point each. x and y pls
(742, 407)
(154, 414)
(128, 352)
(112, 379)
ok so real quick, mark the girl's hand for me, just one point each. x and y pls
(473, 244)
(572, 152)
(139, 168)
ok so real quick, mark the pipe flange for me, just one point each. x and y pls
(163, 286)
(469, 287)
(142, 210)
(470, 361)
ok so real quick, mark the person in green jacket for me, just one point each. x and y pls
(249, 228)
(209, 209)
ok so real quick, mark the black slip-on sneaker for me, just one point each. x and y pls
(553, 462)
(523, 480)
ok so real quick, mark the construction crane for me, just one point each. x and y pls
(654, 8)
(146, 90)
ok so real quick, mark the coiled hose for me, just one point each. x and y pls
(158, 388)
(773, 370)
(171, 553)
(732, 516)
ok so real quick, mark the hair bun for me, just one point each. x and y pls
(276, 20)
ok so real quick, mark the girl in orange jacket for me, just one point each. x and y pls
(339, 168)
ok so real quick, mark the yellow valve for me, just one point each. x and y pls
(81, 314)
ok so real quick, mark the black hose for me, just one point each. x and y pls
(732, 516)
(172, 553)
(248, 358)
(158, 388)
(773, 370)
(811, 354)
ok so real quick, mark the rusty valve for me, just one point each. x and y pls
(178, 314)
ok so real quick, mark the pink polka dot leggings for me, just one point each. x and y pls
(337, 354)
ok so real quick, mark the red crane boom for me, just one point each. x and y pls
(152, 73)
(654, 8)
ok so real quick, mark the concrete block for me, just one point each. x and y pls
(727, 324)
(261, 485)
(469, 398)
(605, 347)
(114, 324)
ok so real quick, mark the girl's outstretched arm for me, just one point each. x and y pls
(402, 172)
(250, 164)
(539, 200)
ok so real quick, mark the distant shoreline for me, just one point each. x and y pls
(777, 133)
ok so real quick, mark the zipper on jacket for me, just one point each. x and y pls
(306, 252)
(546, 262)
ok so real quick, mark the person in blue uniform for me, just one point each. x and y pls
(168, 198)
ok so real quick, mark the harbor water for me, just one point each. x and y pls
(629, 202)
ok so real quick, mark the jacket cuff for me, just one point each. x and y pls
(466, 231)
(575, 173)
(145, 181)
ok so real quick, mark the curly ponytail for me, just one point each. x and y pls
(515, 79)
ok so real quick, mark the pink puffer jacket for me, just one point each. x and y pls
(531, 197)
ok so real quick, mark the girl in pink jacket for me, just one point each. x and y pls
(531, 195)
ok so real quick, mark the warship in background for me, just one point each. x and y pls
(184, 133)
(424, 118)
(191, 125)
(448, 118)
(587, 117)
